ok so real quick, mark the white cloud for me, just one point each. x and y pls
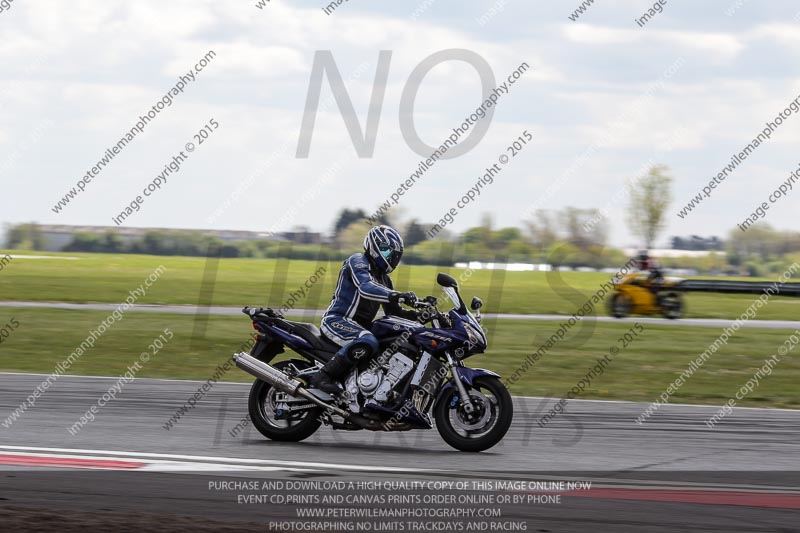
(786, 34)
(94, 66)
(719, 45)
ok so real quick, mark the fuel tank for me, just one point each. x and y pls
(392, 326)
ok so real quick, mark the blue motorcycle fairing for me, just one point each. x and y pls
(292, 340)
(437, 340)
(472, 332)
(408, 414)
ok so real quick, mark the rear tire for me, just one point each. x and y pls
(261, 406)
(496, 408)
(620, 305)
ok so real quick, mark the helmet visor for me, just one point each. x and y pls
(392, 257)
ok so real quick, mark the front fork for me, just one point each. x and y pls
(466, 400)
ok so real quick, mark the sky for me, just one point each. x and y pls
(603, 98)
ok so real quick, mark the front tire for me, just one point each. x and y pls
(672, 306)
(484, 428)
(261, 406)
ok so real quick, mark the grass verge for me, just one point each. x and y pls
(640, 372)
(270, 282)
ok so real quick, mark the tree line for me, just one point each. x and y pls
(573, 237)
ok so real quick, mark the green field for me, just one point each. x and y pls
(640, 372)
(239, 282)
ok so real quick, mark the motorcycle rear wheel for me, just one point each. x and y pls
(261, 406)
(484, 428)
(620, 305)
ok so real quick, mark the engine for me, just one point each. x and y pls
(377, 382)
(397, 368)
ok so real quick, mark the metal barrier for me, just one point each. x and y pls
(738, 287)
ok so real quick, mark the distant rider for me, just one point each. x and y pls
(363, 286)
(655, 277)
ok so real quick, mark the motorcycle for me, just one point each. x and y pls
(635, 294)
(417, 378)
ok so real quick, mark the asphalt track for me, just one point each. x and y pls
(310, 313)
(126, 471)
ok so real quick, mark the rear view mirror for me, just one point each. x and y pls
(446, 280)
(476, 303)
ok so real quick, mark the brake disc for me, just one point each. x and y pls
(479, 400)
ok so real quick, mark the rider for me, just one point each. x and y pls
(363, 286)
(647, 264)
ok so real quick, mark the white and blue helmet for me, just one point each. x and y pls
(385, 246)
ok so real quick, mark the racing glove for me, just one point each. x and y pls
(408, 298)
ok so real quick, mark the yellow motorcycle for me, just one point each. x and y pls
(639, 294)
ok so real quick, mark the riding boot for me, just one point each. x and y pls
(330, 374)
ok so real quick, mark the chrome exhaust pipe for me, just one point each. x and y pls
(267, 373)
(292, 387)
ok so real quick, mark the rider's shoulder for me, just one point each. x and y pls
(358, 260)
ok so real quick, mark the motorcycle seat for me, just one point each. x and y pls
(311, 334)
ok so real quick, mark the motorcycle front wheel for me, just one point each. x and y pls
(485, 426)
(672, 306)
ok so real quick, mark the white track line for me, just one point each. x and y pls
(662, 405)
(166, 380)
(150, 465)
(156, 462)
(233, 461)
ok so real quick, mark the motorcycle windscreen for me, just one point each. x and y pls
(452, 295)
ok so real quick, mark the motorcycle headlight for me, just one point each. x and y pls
(472, 335)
